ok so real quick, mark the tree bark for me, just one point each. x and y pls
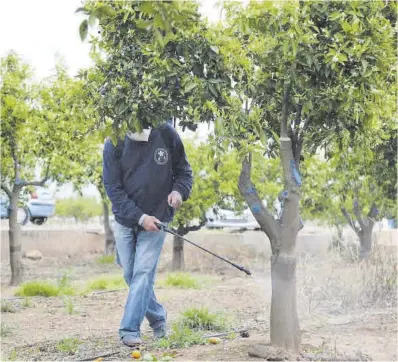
(285, 329)
(15, 239)
(365, 229)
(178, 263)
(365, 242)
(110, 243)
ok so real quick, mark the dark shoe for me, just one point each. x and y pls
(160, 332)
(131, 341)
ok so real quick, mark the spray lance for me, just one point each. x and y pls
(164, 227)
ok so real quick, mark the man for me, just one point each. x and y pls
(147, 177)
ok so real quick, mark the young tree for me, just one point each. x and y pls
(356, 186)
(216, 186)
(192, 215)
(306, 73)
(38, 124)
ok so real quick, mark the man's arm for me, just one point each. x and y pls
(182, 170)
(123, 206)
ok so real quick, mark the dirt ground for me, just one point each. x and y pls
(343, 308)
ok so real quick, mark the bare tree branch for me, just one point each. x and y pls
(196, 227)
(285, 111)
(13, 150)
(371, 216)
(38, 183)
(262, 215)
(349, 219)
(6, 190)
(358, 215)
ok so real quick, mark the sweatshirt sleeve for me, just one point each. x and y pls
(182, 171)
(122, 205)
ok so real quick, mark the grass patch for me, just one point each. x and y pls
(180, 337)
(7, 308)
(37, 288)
(13, 355)
(105, 259)
(189, 329)
(5, 330)
(106, 283)
(68, 345)
(44, 289)
(202, 319)
(184, 281)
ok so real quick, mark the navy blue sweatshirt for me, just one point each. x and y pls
(138, 176)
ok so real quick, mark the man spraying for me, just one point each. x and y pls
(147, 177)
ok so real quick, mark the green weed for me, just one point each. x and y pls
(106, 283)
(37, 288)
(26, 303)
(5, 330)
(70, 308)
(7, 308)
(202, 319)
(44, 289)
(181, 280)
(13, 355)
(68, 345)
(106, 259)
(180, 337)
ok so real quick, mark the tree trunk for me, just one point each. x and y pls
(365, 241)
(285, 330)
(178, 263)
(109, 237)
(15, 239)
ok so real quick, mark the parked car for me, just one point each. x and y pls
(4, 207)
(38, 209)
(220, 218)
(41, 206)
(22, 215)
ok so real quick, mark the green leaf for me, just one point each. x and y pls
(81, 10)
(142, 24)
(113, 138)
(105, 10)
(92, 18)
(159, 37)
(147, 7)
(159, 22)
(83, 29)
(213, 90)
(263, 138)
(189, 86)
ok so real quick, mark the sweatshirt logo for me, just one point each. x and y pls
(161, 156)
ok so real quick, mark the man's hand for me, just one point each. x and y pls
(149, 223)
(175, 200)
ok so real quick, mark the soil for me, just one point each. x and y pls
(335, 323)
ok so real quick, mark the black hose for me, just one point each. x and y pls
(166, 229)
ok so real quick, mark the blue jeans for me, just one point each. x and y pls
(138, 254)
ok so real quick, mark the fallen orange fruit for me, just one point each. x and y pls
(214, 340)
(136, 354)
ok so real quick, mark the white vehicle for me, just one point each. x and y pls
(40, 207)
(219, 218)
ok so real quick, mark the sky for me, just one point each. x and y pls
(41, 31)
